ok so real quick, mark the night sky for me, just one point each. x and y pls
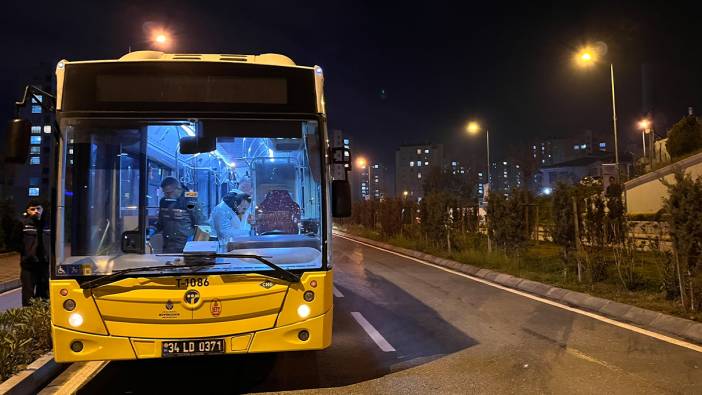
(402, 74)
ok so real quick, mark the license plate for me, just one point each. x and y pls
(192, 347)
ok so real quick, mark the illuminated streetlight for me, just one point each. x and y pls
(586, 57)
(474, 128)
(644, 124)
(161, 39)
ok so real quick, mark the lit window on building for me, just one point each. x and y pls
(504, 163)
(426, 163)
(419, 163)
(603, 145)
(412, 164)
(453, 163)
(35, 139)
(34, 160)
(583, 146)
(36, 104)
(419, 175)
(33, 191)
(480, 174)
(426, 151)
(419, 151)
(70, 151)
(47, 129)
(576, 147)
(35, 150)
(36, 129)
(534, 147)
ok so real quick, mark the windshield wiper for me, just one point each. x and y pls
(278, 272)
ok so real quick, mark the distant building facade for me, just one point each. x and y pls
(21, 182)
(505, 175)
(413, 163)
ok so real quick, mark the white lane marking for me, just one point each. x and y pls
(338, 293)
(598, 317)
(11, 291)
(372, 332)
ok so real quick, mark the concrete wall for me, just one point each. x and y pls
(645, 194)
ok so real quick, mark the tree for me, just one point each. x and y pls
(390, 214)
(685, 137)
(684, 216)
(564, 222)
(508, 217)
(616, 222)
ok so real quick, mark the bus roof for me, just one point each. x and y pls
(270, 59)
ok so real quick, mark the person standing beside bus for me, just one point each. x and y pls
(178, 216)
(34, 248)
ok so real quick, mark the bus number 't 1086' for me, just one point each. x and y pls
(192, 282)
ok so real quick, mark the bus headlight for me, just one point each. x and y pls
(303, 311)
(75, 320)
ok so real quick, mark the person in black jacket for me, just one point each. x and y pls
(178, 215)
(34, 251)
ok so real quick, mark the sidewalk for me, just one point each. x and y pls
(9, 268)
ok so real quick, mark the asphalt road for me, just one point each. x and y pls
(11, 299)
(404, 327)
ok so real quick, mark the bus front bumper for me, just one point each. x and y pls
(284, 338)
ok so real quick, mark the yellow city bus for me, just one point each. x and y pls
(156, 254)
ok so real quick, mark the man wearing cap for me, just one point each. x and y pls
(178, 216)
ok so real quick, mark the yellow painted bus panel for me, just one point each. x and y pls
(157, 307)
(95, 347)
(286, 338)
(190, 330)
(322, 302)
(90, 320)
(240, 343)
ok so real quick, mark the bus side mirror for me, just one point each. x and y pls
(341, 199)
(191, 145)
(18, 140)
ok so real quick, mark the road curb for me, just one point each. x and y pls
(647, 319)
(8, 285)
(34, 377)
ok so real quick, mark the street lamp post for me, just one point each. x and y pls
(586, 57)
(474, 128)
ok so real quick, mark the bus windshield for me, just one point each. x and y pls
(132, 197)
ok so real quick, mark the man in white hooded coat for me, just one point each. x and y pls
(231, 218)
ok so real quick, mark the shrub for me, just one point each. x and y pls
(25, 335)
